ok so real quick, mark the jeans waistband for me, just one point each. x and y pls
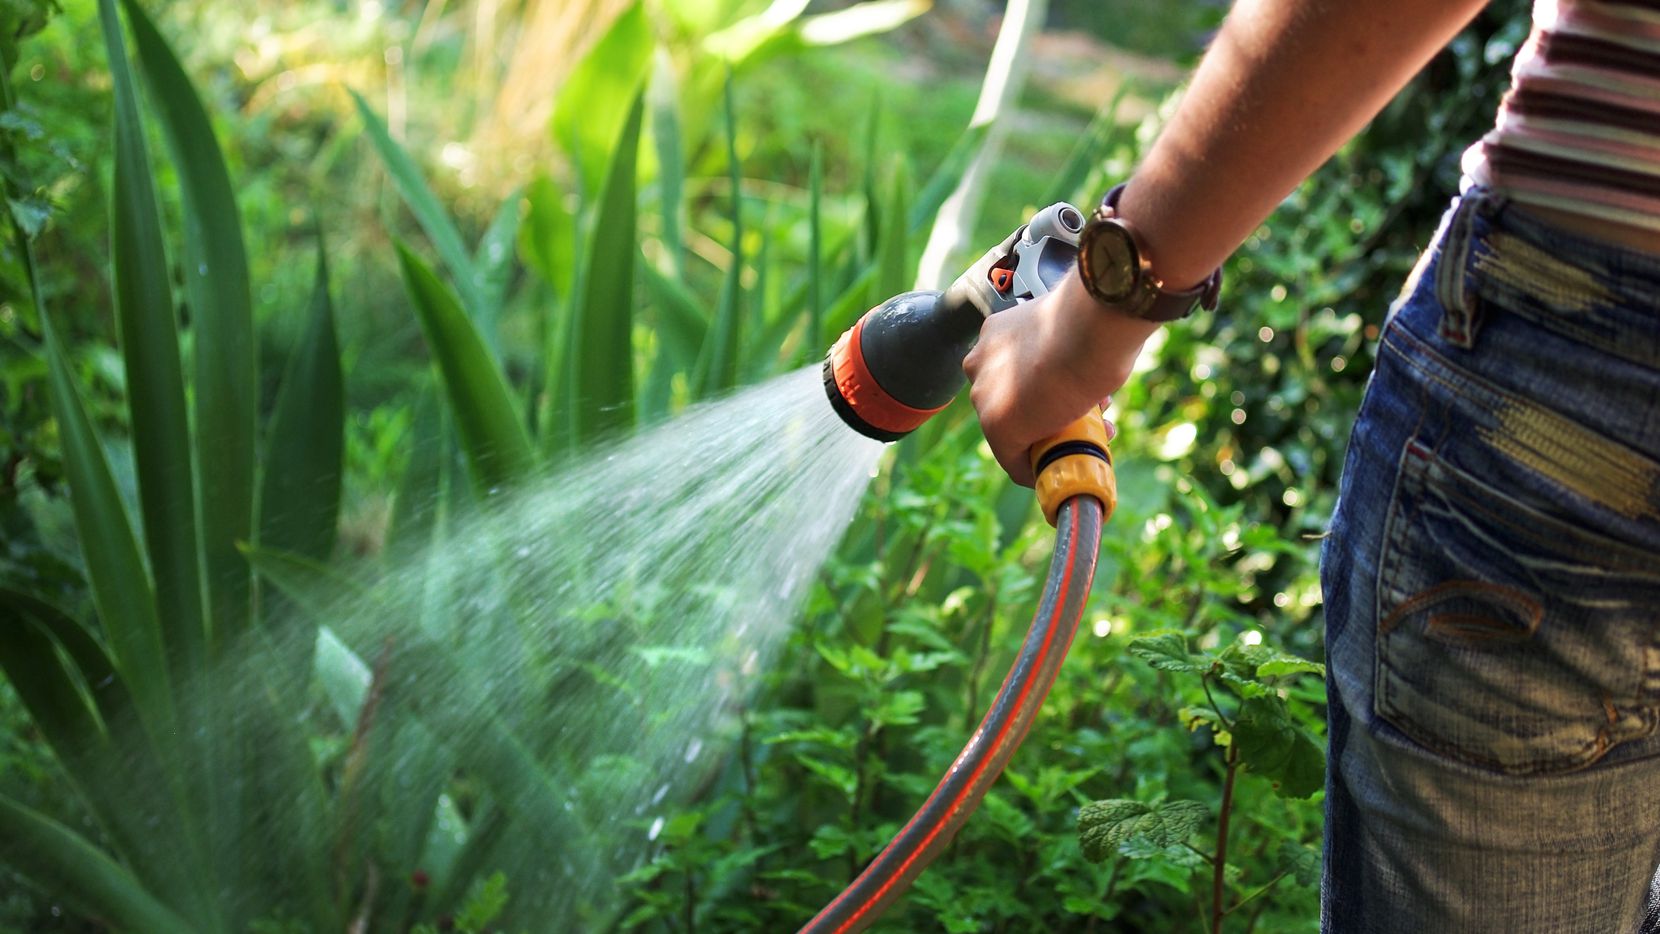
(1496, 256)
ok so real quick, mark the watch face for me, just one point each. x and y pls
(1109, 259)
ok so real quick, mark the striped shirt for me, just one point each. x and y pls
(1579, 129)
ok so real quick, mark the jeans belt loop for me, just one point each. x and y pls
(1461, 307)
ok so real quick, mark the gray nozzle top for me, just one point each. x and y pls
(1043, 249)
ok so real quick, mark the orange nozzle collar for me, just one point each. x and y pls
(861, 392)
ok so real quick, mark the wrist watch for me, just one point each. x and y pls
(1112, 261)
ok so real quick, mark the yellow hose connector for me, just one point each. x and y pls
(1075, 462)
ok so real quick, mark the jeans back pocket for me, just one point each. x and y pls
(1508, 638)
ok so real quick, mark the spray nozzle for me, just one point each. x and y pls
(903, 360)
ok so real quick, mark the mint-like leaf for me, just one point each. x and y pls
(1273, 746)
(1167, 651)
(1302, 862)
(1103, 825)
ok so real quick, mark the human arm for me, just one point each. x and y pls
(1285, 83)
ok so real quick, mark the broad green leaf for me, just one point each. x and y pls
(299, 499)
(67, 864)
(155, 384)
(603, 354)
(720, 356)
(1104, 825)
(595, 100)
(548, 236)
(434, 220)
(1167, 651)
(492, 432)
(1272, 745)
(215, 271)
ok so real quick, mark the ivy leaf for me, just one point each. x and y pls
(1103, 825)
(1167, 651)
(1273, 746)
(1302, 862)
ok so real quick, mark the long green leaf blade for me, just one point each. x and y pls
(120, 588)
(155, 380)
(492, 433)
(299, 501)
(814, 344)
(70, 865)
(664, 96)
(604, 348)
(493, 263)
(894, 269)
(216, 290)
(415, 504)
(725, 337)
(83, 711)
(434, 220)
(593, 102)
(48, 689)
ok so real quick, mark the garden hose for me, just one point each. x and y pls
(898, 365)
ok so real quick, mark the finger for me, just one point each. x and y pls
(1016, 464)
(1106, 420)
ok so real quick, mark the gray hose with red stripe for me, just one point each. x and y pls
(977, 767)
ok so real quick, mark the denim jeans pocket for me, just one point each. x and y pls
(1508, 638)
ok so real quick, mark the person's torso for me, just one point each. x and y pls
(1577, 138)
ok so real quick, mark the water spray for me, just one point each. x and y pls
(894, 369)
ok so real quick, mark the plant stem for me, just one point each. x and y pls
(860, 753)
(981, 654)
(1220, 865)
(1205, 683)
(691, 903)
(1270, 884)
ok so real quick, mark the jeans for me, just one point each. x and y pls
(1492, 589)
